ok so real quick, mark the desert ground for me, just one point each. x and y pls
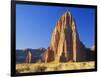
(43, 67)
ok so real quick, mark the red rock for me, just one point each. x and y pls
(65, 43)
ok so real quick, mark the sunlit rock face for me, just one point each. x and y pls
(93, 48)
(65, 43)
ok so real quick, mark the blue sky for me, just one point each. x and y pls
(35, 24)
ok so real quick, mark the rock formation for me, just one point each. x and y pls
(65, 43)
(29, 55)
(93, 48)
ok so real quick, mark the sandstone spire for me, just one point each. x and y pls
(65, 43)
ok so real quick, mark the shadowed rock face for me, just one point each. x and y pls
(65, 43)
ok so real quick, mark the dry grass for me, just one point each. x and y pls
(42, 67)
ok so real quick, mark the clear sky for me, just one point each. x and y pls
(35, 24)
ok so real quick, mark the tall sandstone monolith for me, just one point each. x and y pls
(65, 43)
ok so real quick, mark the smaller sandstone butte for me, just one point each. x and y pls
(29, 57)
(48, 55)
(65, 43)
(93, 48)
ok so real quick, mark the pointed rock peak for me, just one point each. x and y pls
(66, 19)
(67, 13)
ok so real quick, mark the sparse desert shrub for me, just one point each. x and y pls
(58, 67)
(41, 68)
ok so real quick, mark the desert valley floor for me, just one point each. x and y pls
(44, 67)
